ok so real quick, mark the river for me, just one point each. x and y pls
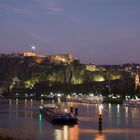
(21, 118)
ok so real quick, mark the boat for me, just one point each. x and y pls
(86, 99)
(132, 103)
(56, 115)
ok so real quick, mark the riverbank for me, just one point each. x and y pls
(105, 100)
(5, 137)
(28, 98)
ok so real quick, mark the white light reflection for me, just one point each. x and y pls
(10, 107)
(118, 114)
(101, 107)
(65, 132)
(16, 108)
(110, 106)
(126, 115)
(100, 137)
(42, 102)
(58, 134)
(40, 123)
(118, 109)
(31, 108)
(16, 102)
(25, 103)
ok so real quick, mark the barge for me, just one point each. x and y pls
(55, 115)
(86, 99)
(132, 103)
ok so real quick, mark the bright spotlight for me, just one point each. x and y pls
(100, 109)
(33, 47)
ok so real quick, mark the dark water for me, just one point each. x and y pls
(22, 119)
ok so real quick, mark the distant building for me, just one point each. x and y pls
(58, 58)
(128, 68)
(90, 67)
(29, 54)
(137, 81)
(37, 58)
(99, 68)
(61, 58)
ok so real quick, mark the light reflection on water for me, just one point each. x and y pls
(100, 137)
(40, 123)
(67, 133)
(22, 118)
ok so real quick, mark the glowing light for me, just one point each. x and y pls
(40, 123)
(68, 96)
(59, 95)
(65, 110)
(58, 134)
(40, 117)
(42, 102)
(100, 108)
(65, 132)
(118, 108)
(41, 107)
(16, 101)
(33, 47)
(63, 60)
(110, 105)
(99, 78)
(92, 95)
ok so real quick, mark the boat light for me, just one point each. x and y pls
(65, 110)
(41, 107)
(59, 95)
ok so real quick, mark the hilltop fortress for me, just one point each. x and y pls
(29, 70)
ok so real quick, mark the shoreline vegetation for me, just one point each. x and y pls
(36, 77)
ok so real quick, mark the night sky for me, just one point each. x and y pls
(96, 31)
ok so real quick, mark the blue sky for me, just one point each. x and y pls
(96, 31)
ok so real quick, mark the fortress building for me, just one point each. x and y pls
(61, 58)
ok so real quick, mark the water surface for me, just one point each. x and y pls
(21, 118)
